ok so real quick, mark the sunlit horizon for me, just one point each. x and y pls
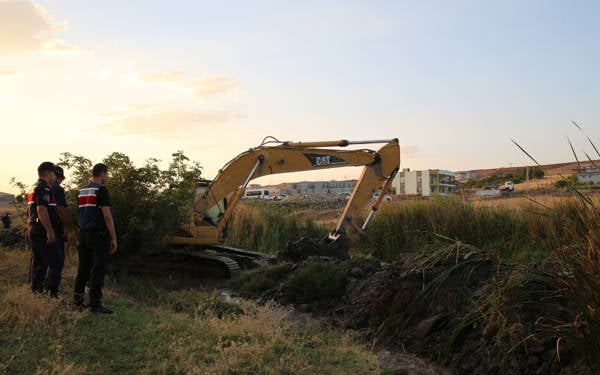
(455, 82)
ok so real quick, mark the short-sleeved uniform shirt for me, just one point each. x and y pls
(91, 198)
(61, 200)
(42, 195)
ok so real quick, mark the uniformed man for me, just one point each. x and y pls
(47, 262)
(6, 222)
(62, 234)
(97, 238)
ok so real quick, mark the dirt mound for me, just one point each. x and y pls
(457, 306)
(305, 247)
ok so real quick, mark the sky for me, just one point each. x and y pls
(454, 81)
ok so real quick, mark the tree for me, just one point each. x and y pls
(148, 203)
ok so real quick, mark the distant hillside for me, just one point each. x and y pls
(564, 169)
(6, 198)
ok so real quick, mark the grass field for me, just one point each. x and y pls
(162, 328)
(158, 329)
(518, 229)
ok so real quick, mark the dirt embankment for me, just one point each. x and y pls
(456, 306)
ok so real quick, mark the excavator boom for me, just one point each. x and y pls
(216, 201)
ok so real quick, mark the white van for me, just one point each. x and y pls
(257, 194)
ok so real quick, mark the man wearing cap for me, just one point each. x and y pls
(62, 233)
(97, 238)
(47, 262)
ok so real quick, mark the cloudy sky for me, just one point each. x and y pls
(453, 80)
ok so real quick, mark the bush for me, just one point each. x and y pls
(568, 181)
(261, 279)
(148, 203)
(315, 281)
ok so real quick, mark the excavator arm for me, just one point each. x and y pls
(214, 205)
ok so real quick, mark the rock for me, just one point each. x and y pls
(227, 297)
(425, 327)
(357, 272)
(303, 307)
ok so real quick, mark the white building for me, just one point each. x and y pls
(321, 188)
(589, 177)
(425, 183)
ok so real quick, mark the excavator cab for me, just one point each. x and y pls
(213, 214)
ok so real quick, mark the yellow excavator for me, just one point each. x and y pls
(215, 200)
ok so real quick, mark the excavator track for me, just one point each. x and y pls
(217, 261)
(231, 266)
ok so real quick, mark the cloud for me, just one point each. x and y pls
(202, 88)
(161, 77)
(164, 123)
(198, 88)
(10, 74)
(59, 47)
(26, 26)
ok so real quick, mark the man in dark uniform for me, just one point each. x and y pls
(47, 262)
(6, 222)
(97, 238)
(62, 233)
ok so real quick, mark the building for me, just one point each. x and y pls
(317, 187)
(425, 183)
(589, 176)
(465, 175)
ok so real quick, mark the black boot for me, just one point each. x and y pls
(101, 310)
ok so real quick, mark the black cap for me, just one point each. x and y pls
(59, 172)
(46, 166)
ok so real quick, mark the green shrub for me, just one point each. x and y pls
(261, 279)
(314, 282)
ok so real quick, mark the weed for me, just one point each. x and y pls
(260, 280)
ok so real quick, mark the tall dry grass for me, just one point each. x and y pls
(578, 284)
(262, 340)
(268, 226)
(529, 231)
